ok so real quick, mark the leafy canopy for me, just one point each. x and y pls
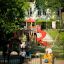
(12, 13)
(52, 4)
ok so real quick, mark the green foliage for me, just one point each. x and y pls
(59, 45)
(62, 36)
(12, 13)
(52, 4)
(62, 3)
(40, 4)
(53, 33)
(37, 48)
(57, 25)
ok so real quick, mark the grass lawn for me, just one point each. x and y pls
(62, 35)
(60, 42)
(52, 32)
(60, 58)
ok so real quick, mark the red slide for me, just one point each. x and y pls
(40, 35)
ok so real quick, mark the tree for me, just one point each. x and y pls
(52, 4)
(12, 13)
(62, 3)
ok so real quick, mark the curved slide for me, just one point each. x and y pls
(41, 37)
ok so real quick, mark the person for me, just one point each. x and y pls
(48, 49)
(48, 54)
(22, 45)
(22, 56)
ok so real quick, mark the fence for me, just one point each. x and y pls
(38, 59)
(10, 60)
(15, 59)
(34, 59)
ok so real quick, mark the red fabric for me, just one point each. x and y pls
(42, 33)
(44, 43)
(39, 38)
(30, 20)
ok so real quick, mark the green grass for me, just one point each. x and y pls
(60, 58)
(52, 32)
(58, 51)
(62, 35)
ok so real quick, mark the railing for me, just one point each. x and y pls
(38, 59)
(10, 60)
(35, 59)
(16, 59)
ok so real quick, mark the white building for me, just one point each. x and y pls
(35, 13)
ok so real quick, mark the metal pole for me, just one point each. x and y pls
(40, 59)
(26, 24)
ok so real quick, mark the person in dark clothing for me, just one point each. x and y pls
(22, 55)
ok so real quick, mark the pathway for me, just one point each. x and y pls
(37, 61)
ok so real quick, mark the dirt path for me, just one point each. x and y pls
(59, 62)
(37, 61)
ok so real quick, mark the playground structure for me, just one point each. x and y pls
(36, 29)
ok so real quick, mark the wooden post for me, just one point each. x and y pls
(26, 25)
(31, 28)
(40, 59)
